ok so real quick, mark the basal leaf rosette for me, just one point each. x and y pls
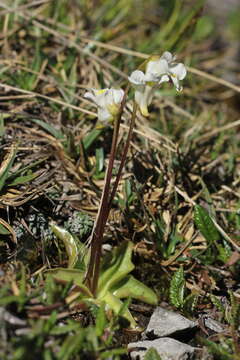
(115, 282)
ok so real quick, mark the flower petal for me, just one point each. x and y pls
(104, 115)
(97, 96)
(118, 95)
(164, 78)
(137, 77)
(175, 81)
(143, 99)
(168, 57)
(179, 71)
(108, 102)
(88, 95)
(155, 69)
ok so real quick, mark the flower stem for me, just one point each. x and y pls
(124, 155)
(96, 238)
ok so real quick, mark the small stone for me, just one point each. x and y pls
(165, 323)
(168, 349)
(213, 324)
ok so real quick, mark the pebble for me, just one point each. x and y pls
(166, 323)
(168, 349)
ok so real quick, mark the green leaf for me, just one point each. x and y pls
(54, 132)
(152, 354)
(50, 290)
(131, 287)
(167, 28)
(23, 179)
(3, 230)
(185, 23)
(109, 354)
(71, 346)
(219, 352)
(205, 224)
(234, 319)
(6, 166)
(204, 27)
(2, 127)
(65, 329)
(101, 321)
(177, 287)
(75, 276)
(113, 303)
(216, 301)
(115, 266)
(91, 137)
(99, 160)
(190, 303)
(72, 245)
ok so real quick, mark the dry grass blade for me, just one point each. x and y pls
(51, 99)
(10, 229)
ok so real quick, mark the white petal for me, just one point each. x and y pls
(97, 96)
(155, 69)
(175, 81)
(179, 71)
(138, 96)
(90, 96)
(104, 115)
(108, 102)
(143, 99)
(118, 95)
(102, 99)
(164, 78)
(167, 56)
(137, 77)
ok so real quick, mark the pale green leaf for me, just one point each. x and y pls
(115, 267)
(70, 243)
(113, 303)
(75, 276)
(131, 287)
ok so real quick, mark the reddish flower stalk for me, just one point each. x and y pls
(96, 239)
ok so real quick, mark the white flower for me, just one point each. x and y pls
(175, 71)
(158, 70)
(143, 92)
(108, 102)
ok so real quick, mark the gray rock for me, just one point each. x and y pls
(165, 323)
(213, 324)
(168, 349)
